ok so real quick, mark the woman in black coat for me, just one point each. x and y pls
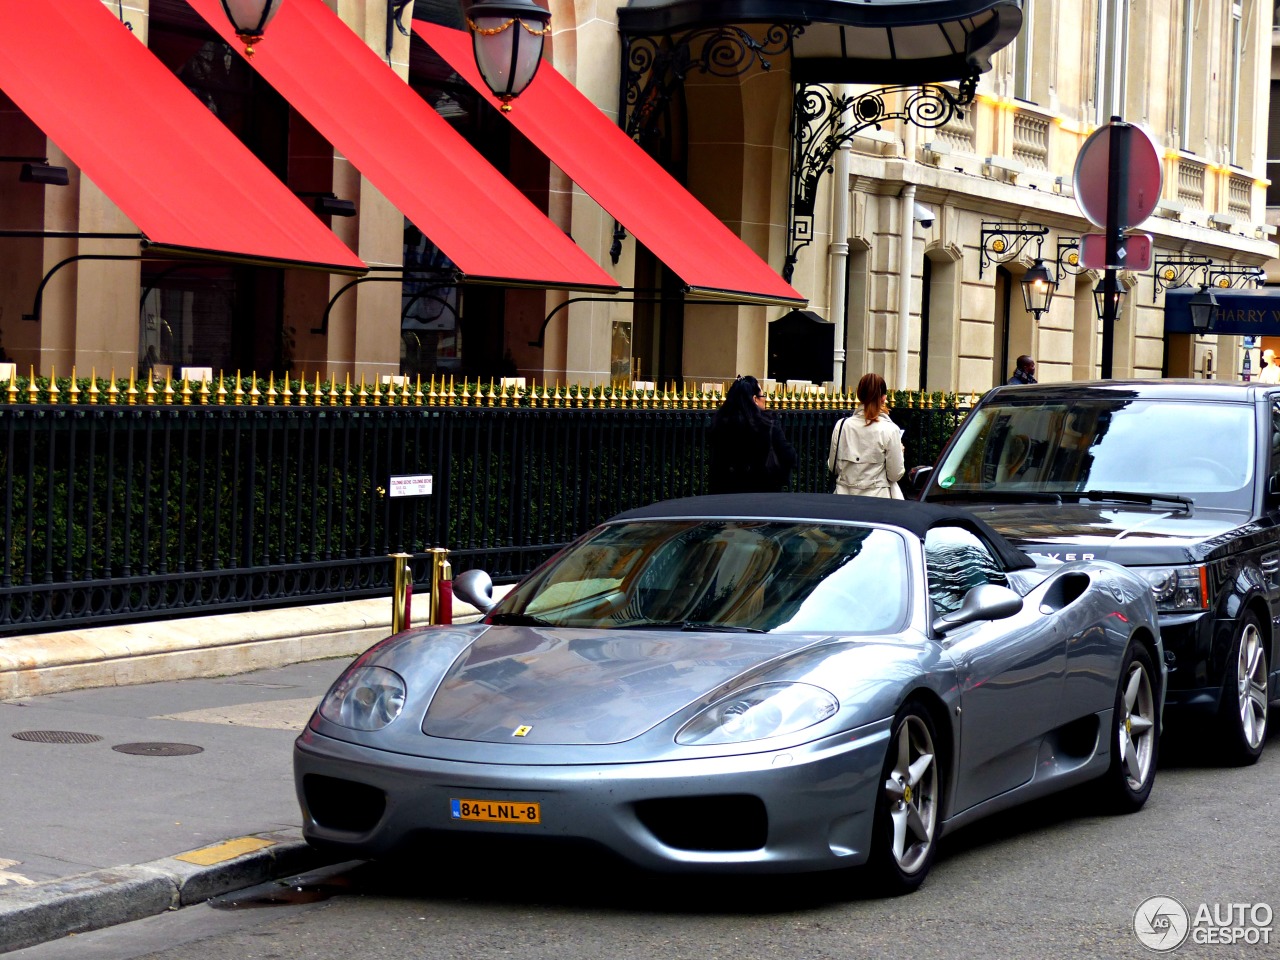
(749, 453)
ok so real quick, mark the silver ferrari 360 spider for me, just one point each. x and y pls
(747, 683)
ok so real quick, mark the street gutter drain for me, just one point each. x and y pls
(56, 736)
(158, 749)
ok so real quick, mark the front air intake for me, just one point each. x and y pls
(343, 804)
(709, 824)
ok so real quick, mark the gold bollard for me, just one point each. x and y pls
(401, 591)
(441, 586)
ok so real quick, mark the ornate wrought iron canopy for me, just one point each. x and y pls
(1172, 272)
(855, 41)
(1002, 242)
(824, 122)
(901, 42)
(655, 67)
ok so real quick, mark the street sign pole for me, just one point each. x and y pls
(1118, 179)
(1116, 189)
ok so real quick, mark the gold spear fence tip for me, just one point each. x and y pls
(437, 390)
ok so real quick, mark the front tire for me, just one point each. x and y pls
(1135, 734)
(1242, 715)
(907, 810)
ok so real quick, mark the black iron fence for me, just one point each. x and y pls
(118, 512)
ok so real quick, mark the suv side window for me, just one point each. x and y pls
(957, 560)
(1273, 469)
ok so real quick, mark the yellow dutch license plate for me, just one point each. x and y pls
(496, 811)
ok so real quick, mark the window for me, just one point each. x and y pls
(1064, 449)
(754, 575)
(1022, 52)
(1110, 58)
(1110, 49)
(1275, 438)
(1188, 48)
(208, 314)
(1273, 146)
(957, 560)
(1233, 132)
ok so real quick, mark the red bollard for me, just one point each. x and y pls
(441, 586)
(446, 601)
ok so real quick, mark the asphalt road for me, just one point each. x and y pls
(1051, 880)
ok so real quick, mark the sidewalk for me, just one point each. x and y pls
(148, 767)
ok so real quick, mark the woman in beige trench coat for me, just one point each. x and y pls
(866, 448)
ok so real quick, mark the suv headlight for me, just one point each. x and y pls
(367, 698)
(769, 710)
(1177, 589)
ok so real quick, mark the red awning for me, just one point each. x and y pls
(133, 129)
(487, 227)
(612, 168)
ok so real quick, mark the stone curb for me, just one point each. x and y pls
(46, 911)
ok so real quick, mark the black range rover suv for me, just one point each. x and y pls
(1179, 480)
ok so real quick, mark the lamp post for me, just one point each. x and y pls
(507, 37)
(1038, 286)
(1204, 309)
(249, 19)
(1100, 299)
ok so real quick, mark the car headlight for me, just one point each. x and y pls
(1177, 589)
(367, 698)
(769, 710)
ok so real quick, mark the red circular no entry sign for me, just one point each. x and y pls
(1138, 169)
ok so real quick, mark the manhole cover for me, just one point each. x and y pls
(56, 736)
(158, 749)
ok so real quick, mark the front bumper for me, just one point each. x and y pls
(1195, 679)
(817, 803)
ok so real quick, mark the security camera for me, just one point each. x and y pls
(924, 216)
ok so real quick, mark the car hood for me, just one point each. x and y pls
(577, 686)
(1132, 535)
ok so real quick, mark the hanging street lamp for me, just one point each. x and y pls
(1204, 309)
(1038, 286)
(1100, 298)
(249, 18)
(507, 37)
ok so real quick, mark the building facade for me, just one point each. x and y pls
(908, 240)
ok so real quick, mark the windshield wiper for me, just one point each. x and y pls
(1124, 496)
(519, 620)
(718, 627)
(700, 625)
(998, 496)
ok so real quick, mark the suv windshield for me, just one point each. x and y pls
(1202, 451)
(752, 575)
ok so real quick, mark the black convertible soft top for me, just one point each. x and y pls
(911, 515)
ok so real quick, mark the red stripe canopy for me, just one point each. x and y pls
(408, 151)
(612, 168)
(133, 129)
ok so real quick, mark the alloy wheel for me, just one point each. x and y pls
(1137, 726)
(1251, 686)
(911, 790)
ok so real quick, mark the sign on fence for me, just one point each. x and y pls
(415, 485)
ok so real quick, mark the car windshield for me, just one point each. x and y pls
(1103, 446)
(752, 575)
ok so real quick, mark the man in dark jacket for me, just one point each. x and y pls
(1025, 372)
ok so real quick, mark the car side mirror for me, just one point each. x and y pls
(918, 478)
(476, 588)
(986, 601)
